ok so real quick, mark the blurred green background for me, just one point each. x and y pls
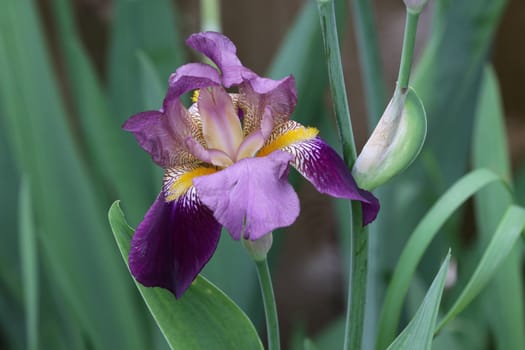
(72, 71)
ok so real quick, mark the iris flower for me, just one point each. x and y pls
(226, 161)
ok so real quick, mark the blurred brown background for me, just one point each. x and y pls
(310, 274)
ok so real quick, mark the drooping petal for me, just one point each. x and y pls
(162, 133)
(173, 243)
(252, 197)
(325, 169)
(191, 76)
(320, 165)
(223, 53)
(258, 95)
(221, 126)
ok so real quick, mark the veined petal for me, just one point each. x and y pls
(320, 165)
(221, 126)
(178, 180)
(223, 53)
(173, 243)
(161, 134)
(257, 95)
(252, 197)
(191, 76)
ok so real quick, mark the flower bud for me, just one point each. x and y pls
(415, 6)
(394, 143)
(258, 249)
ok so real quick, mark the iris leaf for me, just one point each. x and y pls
(508, 231)
(503, 301)
(419, 240)
(204, 318)
(29, 264)
(78, 251)
(418, 334)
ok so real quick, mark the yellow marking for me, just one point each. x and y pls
(288, 138)
(185, 181)
(195, 96)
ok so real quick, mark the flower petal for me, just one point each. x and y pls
(322, 166)
(223, 53)
(221, 126)
(173, 243)
(252, 197)
(163, 133)
(257, 95)
(191, 76)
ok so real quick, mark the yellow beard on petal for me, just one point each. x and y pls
(288, 138)
(177, 184)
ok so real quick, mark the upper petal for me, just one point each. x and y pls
(191, 76)
(163, 133)
(322, 166)
(252, 197)
(222, 52)
(221, 126)
(173, 243)
(259, 95)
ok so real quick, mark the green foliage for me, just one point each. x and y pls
(204, 318)
(419, 332)
(64, 159)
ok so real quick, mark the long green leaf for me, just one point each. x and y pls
(503, 301)
(419, 332)
(76, 245)
(205, 318)
(28, 257)
(124, 172)
(509, 230)
(419, 240)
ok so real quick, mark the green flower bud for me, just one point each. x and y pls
(415, 6)
(258, 249)
(395, 142)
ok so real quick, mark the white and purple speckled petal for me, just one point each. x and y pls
(325, 169)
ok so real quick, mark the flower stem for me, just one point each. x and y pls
(358, 234)
(210, 15)
(407, 54)
(337, 82)
(270, 308)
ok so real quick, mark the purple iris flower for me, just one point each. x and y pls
(226, 161)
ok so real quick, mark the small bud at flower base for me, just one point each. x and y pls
(394, 143)
(258, 249)
(415, 6)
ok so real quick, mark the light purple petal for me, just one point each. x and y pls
(252, 197)
(163, 134)
(259, 95)
(223, 53)
(325, 169)
(173, 243)
(191, 76)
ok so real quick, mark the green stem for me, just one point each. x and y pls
(358, 235)
(407, 54)
(355, 312)
(337, 83)
(270, 308)
(210, 15)
(370, 60)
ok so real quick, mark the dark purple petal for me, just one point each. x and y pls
(325, 169)
(191, 76)
(252, 197)
(173, 243)
(223, 53)
(258, 95)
